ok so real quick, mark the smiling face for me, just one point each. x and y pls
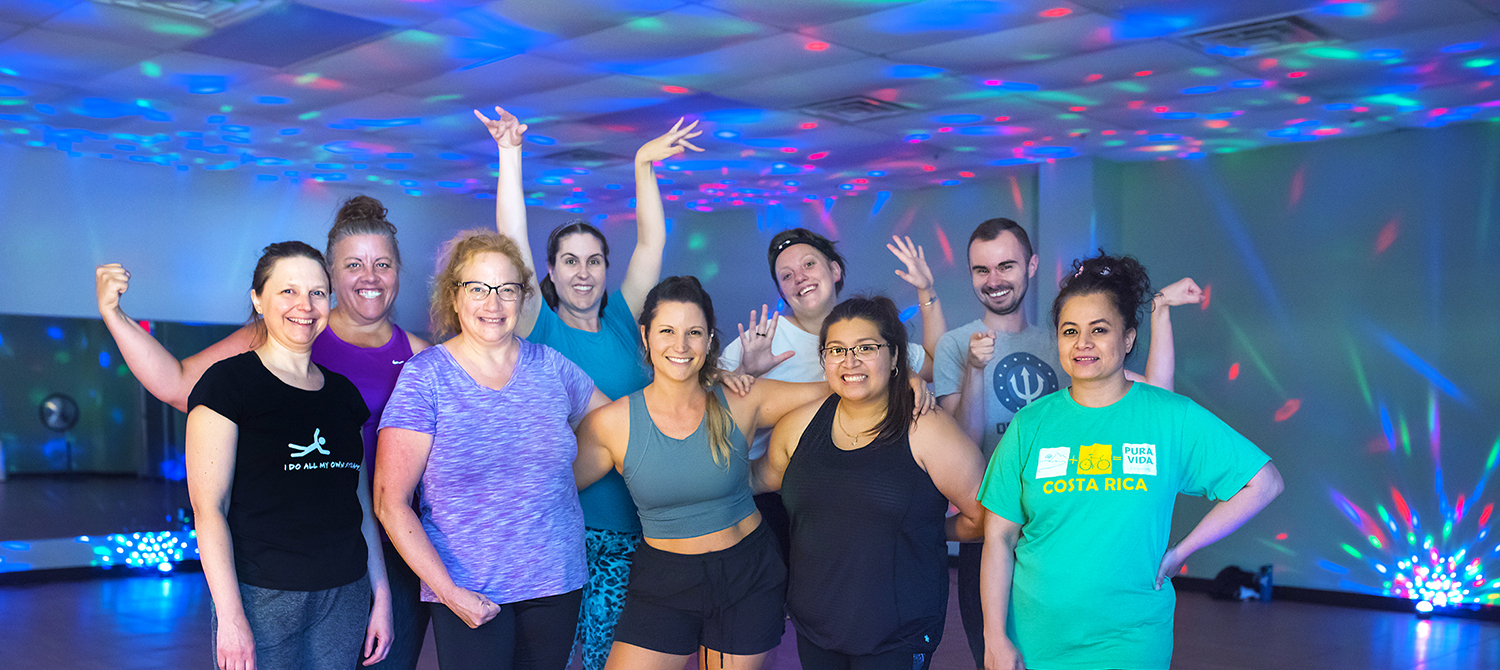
(1092, 339)
(491, 320)
(849, 376)
(294, 302)
(677, 340)
(578, 271)
(807, 279)
(1001, 272)
(365, 276)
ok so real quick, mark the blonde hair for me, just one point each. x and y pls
(456, 254)
(687, 290)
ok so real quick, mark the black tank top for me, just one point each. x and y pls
(869, 566)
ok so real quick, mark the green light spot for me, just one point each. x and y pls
(143, 103)
(1480, 62)
(696, 241)
(442, 98)
(20, 131)
(1131, 87)
(150, 69)
(62, 358)
(1332, 53)
(179, 29)
(199, 161)
(1226, 150)
(309, 115)
(1352, 551)
(1115, 143)
(1405, 434)
(648, 24)
(964, 148)
(1374, 541)
(418, 37)
(1205, 71)
(1393, 100)
(709, 271)
(306, 79)
(9, 72)
(1447, 529)
(225, 109)
(373, 178)
(538, 194)
(1068, 116)
(12, 101)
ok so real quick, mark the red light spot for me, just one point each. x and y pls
(788, 150)
(1288, 409)
(1143, 73)
(1298, 178)
(943, 244)
(1267, 63)
(1387, 236)
(1217, 123)
(1296, 75)
(567, 180)
(1234, 372)
(817, 156)
(1208, 294)
(1027, 143)
(992, 82)
(1361, 109)
(1281, 536)
(861, 180)
(816, 46)
(1160, 110)
(1002, 119)
(1484, 517)
(1183, 571)
(966, 175)
(1303, 100)
(945, 129)
(1324, 132)
(1077, 108)
(1093, 77)
(809, 125)
(1055, 12)
(671, 197)
(674, 89)
(928, 168)
(1458, 509)
(1107, 132)
(1142, 132)
(145, 325)
(738, 202)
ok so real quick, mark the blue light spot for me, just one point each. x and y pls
(908, 313)
(1461, 48)
(1012, 161)
(612, 187)
(1018, 86)
(951, 182)
(291, 131)
(449, 184)
(450, 156)
(1338, 106)
(11, 92)
(876, 173)
(1347, 9)
(216, 119)
(332, 176)
(1178, 115)
(1141, 26)
(1164, 137)
(918, 137)
(235, 139)
(45, 109)
(734, 116)
(234, 129)
(1248, 83)
(791, 182)
(1284, 132)
(765, 142)
(959, 118)
(104, 359)
(1383, 54)
(204, 84)
(116, 415)
(1051, 151)
(980, 130)
(1230, 52)
(1333, 567)
(407, 183)
(880, 199)
(271, 100)
(847, 187)
(54, 332)
(726, 134)
(1199, 90)
(541, 139)
(394, 166)
(913, 71)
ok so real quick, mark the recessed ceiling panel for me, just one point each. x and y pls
(938, 21)
(498, 82)
(405, 58)
(802, 14)
(192, 79)
(69, 60)
(527, 24)
(1038, 42)
(297, 32)
(394, 13)
(127, 26)
(727, 68)
(32, 12)
(1118, 64)
(647, 40)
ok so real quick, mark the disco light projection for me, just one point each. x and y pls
(158, 551)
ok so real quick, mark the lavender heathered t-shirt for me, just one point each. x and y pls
(498, 499)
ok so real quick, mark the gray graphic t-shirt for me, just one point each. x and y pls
(1024, 368)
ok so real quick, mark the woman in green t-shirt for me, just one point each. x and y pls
(1079, 495)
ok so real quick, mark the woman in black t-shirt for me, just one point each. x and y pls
(281, 507)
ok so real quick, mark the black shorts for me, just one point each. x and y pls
(731, 601)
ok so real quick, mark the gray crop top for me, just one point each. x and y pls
(678, 488)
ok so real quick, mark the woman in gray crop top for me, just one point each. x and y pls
(707, 579)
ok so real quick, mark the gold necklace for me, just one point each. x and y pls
(838, 417)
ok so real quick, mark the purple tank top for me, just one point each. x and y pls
(373, 371)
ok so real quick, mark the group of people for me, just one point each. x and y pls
(597, 471)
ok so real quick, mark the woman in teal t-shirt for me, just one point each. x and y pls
(1079, 495)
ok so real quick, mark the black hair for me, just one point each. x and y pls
(576, 226)
(879, 310)
(787, 238)
(992, 228)
(687, 289)
(269, 257)
(362, 215)
(1121, 278)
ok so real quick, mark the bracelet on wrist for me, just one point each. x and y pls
(929, 302)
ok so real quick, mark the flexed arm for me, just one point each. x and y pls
(510, 202)
(644, 270)
(1161, 358)
(165, 377)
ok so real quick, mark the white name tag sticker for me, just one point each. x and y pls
(1139, 459)
(1052, 462)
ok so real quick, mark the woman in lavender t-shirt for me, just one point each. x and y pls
(483, 422)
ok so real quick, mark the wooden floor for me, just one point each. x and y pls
(162, 622)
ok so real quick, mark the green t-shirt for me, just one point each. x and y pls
(1093, 490)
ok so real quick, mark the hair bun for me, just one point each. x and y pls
(361, 208)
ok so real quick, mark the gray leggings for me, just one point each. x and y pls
(305, 630)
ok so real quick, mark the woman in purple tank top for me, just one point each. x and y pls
(361, 342)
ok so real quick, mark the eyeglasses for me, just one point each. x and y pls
(863, 352)
(478, 290)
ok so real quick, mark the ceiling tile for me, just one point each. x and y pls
(299, 33)
(732, 66)
(580, 101)
(193, 78)
(1029, 44)
(647, 40)
(405, 58)
(69, 60)
(31, 12)
(527, 24)
(1117, 64)
(496, 83)
(803, 14)
(406, 14)
(937, 22)
(127, 26)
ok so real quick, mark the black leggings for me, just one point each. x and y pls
(814, 657)
(532, 634)
(969, 607)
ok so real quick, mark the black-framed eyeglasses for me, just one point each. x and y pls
(478, 290)
(863, 352)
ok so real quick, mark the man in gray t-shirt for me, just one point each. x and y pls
(986, 370)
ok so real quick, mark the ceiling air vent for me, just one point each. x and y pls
(854, 109)
(1259, 38)
(587, 158)
(217, 13)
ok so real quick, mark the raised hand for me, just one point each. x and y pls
(1184, 291)
(110, 282)
(917, 273)
(981, 349)
(755, 356)
(673, 142)
(505, 128)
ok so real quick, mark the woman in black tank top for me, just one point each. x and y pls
(868, 488)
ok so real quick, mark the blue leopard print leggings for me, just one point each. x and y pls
(609, 553)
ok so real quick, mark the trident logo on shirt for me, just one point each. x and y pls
(317, 445)
(1021, 378)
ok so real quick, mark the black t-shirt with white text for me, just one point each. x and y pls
(294, 512)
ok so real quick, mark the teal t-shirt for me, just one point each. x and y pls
(1093, 491)
(612, 358)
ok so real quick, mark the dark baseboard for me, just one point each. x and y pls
(27, 577)
(1350, 599)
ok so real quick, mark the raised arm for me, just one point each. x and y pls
(510, 203)
(1161, 358)
(165, 377)
(956, 467)
(644, 270)
(399, 462)
(919, 275)
(996, 571)
(1224, 519)
(210, 448)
